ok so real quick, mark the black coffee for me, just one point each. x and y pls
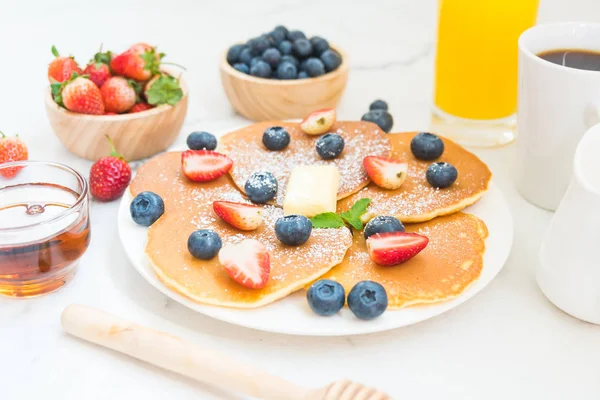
(579, 59)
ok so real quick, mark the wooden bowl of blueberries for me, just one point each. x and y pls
(283, 75)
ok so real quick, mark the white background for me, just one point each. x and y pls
(507, 342)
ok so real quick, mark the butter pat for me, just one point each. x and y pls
(312, 190)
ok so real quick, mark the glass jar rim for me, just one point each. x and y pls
(81, 180)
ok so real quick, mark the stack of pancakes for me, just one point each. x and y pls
(449, 264)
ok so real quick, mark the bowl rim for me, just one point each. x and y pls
(72, 208)
(120, 117)
(342, 69)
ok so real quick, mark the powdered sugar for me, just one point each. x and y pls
(246, 149)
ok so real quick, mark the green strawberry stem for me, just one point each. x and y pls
(113, 152)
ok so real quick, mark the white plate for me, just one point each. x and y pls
(292, 315)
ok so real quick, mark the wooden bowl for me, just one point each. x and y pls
(262, 99)
(136, 136)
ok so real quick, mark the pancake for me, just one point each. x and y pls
(417, 200)
(451, 262)
(249, 155)
(188, 206)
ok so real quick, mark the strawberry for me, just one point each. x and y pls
(109, 176)
(318, 122)
(385, 173)
(12, 149)
(248, 263)
(139, 107)
(139, 62)
(118, 94)
(163, 89)
(79, 94)
(98, 68)
(204, 165)
(392, 248)
(246, 217)
(61, 68)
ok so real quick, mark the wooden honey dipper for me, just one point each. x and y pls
(190, 360)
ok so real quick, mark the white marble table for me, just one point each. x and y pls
(507, 342)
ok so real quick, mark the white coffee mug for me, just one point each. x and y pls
(569, 270)
(557, 104)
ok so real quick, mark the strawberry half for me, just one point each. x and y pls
(246, 217)
(385, 173)
(248, 263)
(392, 248)
(318, 122)
(204, 165)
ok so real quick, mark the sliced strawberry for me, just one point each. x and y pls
(246, 217)
(248, 263)
(318, 122)
(392, 248)
(204, 165)
(385, 173)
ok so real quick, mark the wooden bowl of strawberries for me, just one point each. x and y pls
(131, 98)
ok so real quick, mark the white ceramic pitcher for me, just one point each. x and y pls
(569, 271)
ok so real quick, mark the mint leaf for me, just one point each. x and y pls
(165, 90)
(352, 216)
(327, 220)
(353, 221)
(55, 52)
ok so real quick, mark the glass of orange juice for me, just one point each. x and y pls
(476, 68)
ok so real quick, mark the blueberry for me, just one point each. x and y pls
(294, 35)
(285, 47)
(276, 138)
(302, 75)
(329, 146)
(302, 48)
(367, 300)
(286, 70)
(331, 60)
(146, 208)
(246, 56)
(259, 44)
(326, 297)
(378, 105)
(314, 67)
(426, 146)
(290, 59)
(261, 69)
(381, 224)
(261, 187)
(233, 54)
(243, 68)
(302, 65)
(441, 175)
(281, 28)
(319, 45)
(201, 141)
(254, 61)
(277, 36)
(272, 56)
(380, 117)
(293, 230)
(204, 244)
